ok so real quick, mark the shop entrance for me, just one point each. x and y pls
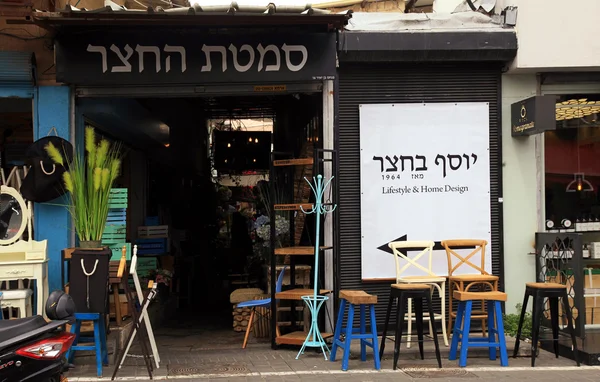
(197, 174)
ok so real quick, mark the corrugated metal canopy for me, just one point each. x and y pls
(198, 15)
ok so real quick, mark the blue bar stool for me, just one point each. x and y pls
(364, 301)
(461, 330)
(99, 339)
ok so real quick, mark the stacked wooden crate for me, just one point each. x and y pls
(153, 240)
(115, 231)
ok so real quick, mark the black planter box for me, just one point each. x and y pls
(98, 287)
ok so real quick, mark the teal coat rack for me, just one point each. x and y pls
(314, 338)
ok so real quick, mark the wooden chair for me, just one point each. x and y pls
(428, 277)
(463, 282)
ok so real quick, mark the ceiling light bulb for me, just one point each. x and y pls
(256, 140)
(225, 160)
(254, 160)
(229, 145)
(250, 139)
(579, 185)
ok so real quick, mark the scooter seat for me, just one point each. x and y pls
(13, 328)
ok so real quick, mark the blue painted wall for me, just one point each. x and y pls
(52, 220)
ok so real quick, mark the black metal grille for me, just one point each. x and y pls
(404, 83)
(559, 259)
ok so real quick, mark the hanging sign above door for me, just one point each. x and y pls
(101, 58)
(533, 115)
(424, 175)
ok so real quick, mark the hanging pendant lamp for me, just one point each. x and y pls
(579, 184)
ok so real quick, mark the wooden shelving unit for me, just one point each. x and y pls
(298, 200)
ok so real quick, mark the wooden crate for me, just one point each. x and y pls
(122, 301)
(153, 232)
(151, 246)
(151, 221)
(114, 234)
(116, 216)
(145, 265)
(117, 250)
(118, 198)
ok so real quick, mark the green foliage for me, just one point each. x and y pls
(89, 180)
(511, 323)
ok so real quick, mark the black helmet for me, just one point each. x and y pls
(60, 306)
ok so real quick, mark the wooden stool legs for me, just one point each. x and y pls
(367, 338)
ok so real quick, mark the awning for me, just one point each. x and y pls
(198, 16)
(399, 37)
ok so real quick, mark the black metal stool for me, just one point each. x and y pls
(553, 292)
(401, 293)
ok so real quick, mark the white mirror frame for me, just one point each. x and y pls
(24, 210)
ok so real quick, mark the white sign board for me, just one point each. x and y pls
(424, 175)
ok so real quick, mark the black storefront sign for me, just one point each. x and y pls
(135, 58)
(533, 115)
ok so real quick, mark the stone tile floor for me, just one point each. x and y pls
(190, 355)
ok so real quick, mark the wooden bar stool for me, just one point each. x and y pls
(464, 282)
(551, 291)
(462, 327)
(97, 344)
(402, 293)
(363, 300)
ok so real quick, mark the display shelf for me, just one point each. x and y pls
(296, 294)
(293, 162)
(297, 338)
(293, 206)
(298, 251)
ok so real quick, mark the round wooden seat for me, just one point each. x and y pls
(473, 278)
(358, 297)
(545, 286)
(486, 296)
(409, 286)
(421, 279)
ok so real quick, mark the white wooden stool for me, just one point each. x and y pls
(18, 298)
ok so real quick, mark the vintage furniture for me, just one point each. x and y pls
(464, 281)
(553, 292)
(495, 339)
(425, 248)
(364, 302)
(402, 293)
(19, 299)
(262, 303)
(144, 313)
(289, 173)
(139, 319)
(98, 342)
(21, 259)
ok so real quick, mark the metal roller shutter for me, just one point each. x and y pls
(16, 74)
(404, 83)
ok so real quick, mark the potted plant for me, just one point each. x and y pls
(88, 181)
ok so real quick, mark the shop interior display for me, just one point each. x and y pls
(569, 250)
(20, 255)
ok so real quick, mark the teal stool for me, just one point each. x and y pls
(99, 339)
(461, 331)
(364, 301)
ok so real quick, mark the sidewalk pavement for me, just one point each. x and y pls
(260, 363)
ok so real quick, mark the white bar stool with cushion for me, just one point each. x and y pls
(19, 299)
(428, 277)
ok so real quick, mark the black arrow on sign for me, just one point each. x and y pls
(438, 246)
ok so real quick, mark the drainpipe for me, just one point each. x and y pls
(539, 167)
